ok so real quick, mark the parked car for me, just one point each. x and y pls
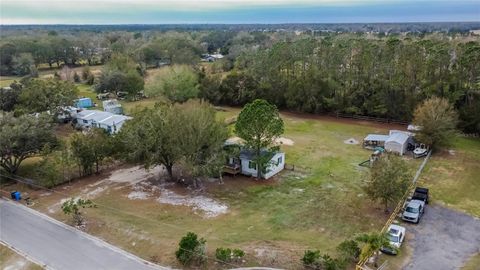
(421, 194)
(413, 211)
(396, 235)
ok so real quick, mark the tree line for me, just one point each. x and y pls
(374, 77)
(363, 74)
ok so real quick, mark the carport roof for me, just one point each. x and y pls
(376, 137)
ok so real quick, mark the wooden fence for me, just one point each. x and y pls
(368, 118)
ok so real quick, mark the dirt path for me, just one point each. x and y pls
(444, 240)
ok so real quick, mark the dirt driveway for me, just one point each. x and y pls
(444, 239)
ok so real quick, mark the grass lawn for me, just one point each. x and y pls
(454, 177)
(316, 206)
(7, 80)
(472, 263)
(9, 259)
(130, 106)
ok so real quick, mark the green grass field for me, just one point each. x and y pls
(316, 206)
(454, 177)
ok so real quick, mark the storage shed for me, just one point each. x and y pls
(398, 142)
(112, 106)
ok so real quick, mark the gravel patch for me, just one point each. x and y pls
(207, 207)
(138, 195)
(444, 240)
(134, 175)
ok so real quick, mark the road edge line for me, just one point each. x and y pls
(89, 236)
(26, 256)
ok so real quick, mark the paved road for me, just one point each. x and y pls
(443, 240)
(49, 242)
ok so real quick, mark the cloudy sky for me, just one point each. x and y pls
(234, 11)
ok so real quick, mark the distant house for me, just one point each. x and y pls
(211, 57)
(83, 103)
(112, 106)
(244, 164)
(92, 118)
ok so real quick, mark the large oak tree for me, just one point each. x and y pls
(23, 137)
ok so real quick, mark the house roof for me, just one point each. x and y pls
(114, 119)
(376, 137)
(398, 137)
(106, 118)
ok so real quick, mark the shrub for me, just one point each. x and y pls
(76, 77)
(229, 255)
(191, 249)
(85, 73)
(238, 253)
(349, 250)
(90, 79)
(311, 259)
(223, 254)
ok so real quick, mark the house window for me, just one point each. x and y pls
(252, 165)
(85, 121)
(279, 161)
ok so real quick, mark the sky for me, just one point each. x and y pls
(235, 11)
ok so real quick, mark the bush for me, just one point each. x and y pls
(349, 250)
(90, 79)
(228, 255)
(191, 249)
(85, 73)
(238, 253)
(76, 77)
(223, 254)
(313, 260)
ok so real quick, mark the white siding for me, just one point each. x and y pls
(276, 165)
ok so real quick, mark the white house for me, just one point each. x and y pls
(106, 120)
(113, 123)
(398, 141)
(245, 165)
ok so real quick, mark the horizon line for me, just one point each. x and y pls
(226, 23)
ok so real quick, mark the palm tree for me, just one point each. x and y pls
(372, 242)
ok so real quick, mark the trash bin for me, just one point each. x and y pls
(16, 196)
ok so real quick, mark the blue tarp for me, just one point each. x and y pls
(84, 103)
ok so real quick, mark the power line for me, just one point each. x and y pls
(183, 229)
